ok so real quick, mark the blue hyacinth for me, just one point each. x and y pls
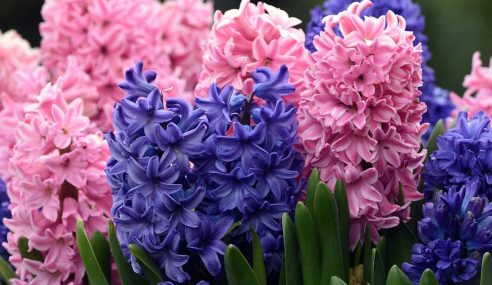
(4, 214)
(155, 194)
(464, 155)
(439, 105)
(182, 176)
(455, 232)
(250, 162)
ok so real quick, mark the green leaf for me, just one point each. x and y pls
(293, 274)
(428, 278)
(399, 242)
(94, 271)
(326, 217)
(151, 271)
(23, 245)
(378, 273)
(367, 256)
(309, 246)
(382, 252)
(101, 249)
(258, 261)
(238, 270)
(311, 189)
(486, 275)
(344, 224)
(281, 279)
(337, 281)
(432, 143)
(6, 271)
(396, 276)
(125, 271)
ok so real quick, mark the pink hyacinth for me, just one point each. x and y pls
(105, 37)
(250, 37)
(57, 178)
(360, 116)
(478, 96)
(21, 78)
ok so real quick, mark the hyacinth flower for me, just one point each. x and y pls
(58, 178)
(464, 155)
(4, 214)
(478, 84)
(253, 36)
(110, 35)
(250, 168)
(156, 198)
(455, 233)
(359, 119)
(19, 64)
(439, 104)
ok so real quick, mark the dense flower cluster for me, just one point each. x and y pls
(58, 177)
(250, 168)
(250, 37)
(154, 146)
(464, 154)
(104, 37)
(4, 214)
(360, 117)
(455, 232)
(438, 103)
(21, 79)
(478, 96)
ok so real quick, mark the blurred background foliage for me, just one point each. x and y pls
(456, 28)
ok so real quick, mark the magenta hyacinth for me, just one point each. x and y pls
(360, 116)
(252, 36)
(478, 96)
(104, 37)
(57, 178)
(21, 79)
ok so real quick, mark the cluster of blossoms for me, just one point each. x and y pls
(464, 155)
(19, 63)
(360, 117)
(252, 36)
(57, 178)
(104, 37)
(180, 178)
(455, 229)
(154, 146)
(4, 214)
(439, 105)
(250, 167)
(478, 96)
(455, 232)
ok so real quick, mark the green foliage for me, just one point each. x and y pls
(151, 271)
(92, 266)
(23, 245)
(6, 271)
(238, 270)
(125, 271)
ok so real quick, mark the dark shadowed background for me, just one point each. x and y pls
(456, 29)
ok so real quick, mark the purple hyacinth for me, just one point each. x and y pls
(463, 155)
(251, 167)
(455, 233)
(156, 198)
(4, 213)
(439, 106)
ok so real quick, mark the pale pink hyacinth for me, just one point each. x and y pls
(478, 96)
(105, 37)
(250, 37)
(57, 177)
(360, 116)
(21, 78)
